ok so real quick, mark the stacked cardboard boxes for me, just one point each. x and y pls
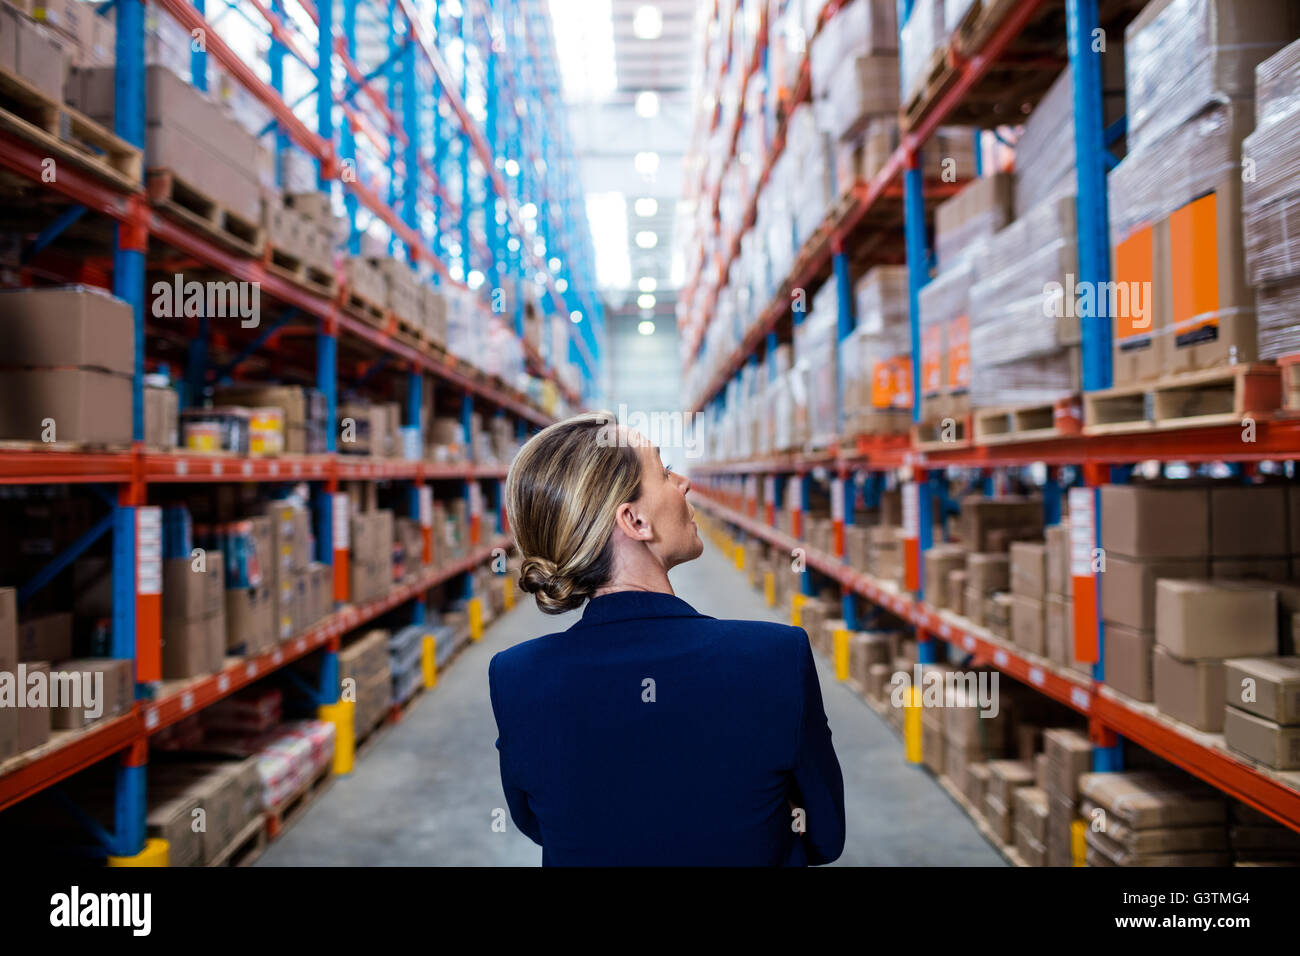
(366, 664)
(1005, 778)
(1030, 817)
(36, 52)
(193, 617)
(973, 735)
(68, 364)
(371, 559)
(303, 412)
(1262, 719)
(1068, 757)
(302, 227)
(1153, 818)
(1028, 574)
(247, 551)
(1271, 200)
(1147, 533)
(292, 547)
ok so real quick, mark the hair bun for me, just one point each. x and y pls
(554, 591)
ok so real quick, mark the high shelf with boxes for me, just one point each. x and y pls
(359, 352)
(1102, 320)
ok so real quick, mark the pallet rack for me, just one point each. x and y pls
(731, 490)
(448, 97)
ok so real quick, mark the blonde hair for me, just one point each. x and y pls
(562, 495)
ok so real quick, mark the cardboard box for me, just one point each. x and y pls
(33, 723)
(1190, 691)
(1128, 587)
(189, 594)
(1198, 619)
(1129, 661)
(116, 683)
(172, 819)
(46, 638)
(986, 573)
(65, 404)
(67, 326)
(1028, 626)
(1057, 540)
(1272, 744)
(940, 561)
(1146, 799)
(249, 616)
(1069, 756)
(161, 417)
(1267, 687)
(973, 605)
(1142, 521)
(1028, 569)
(40, 58)
(8, 629)
(1248, 521)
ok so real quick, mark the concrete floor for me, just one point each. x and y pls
(426, 792)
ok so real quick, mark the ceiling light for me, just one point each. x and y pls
(645, 206)
(647, 164)
(512, 167)
(607, 217)
(475, 279)
(647, 240)
(645, 301)
(648, 23)
(561, 285)
(575, 317)
(647, 284)
(646, 327)
(554, 264)
(528, 211)
(584, 48)
(647, 104)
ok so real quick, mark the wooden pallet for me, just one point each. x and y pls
(280, 818)
(245, 848)
(1018, 423)
(938, 77)
(65, 133)
(296, 270)
(1216, 396)
(181, 199)
(929, 436)
(373, 312)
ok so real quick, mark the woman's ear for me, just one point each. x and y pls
(631, 523)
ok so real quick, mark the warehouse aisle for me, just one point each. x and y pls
(425, 793)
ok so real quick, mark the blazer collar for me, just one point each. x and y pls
(630, 605)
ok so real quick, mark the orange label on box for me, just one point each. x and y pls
(1134, 269)
(959, 352)
(883, 384)
(931, 359)
(1194, 258)
(902, 381)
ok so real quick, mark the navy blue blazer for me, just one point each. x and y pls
(648, 734)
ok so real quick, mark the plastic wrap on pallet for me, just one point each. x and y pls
(1277, 308)
(861, 88)
(921, 35)
(880, 298)
(980, 210)
(1042, 379)
(954, 12)
(1186, 54)
(1035, 229)
(1271, 172)
(1153, 181)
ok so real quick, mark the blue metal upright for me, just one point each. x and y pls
(1091, 197)
(324, 85)
(466, 419)
(918, 266)
(347, 141)
(805, 502)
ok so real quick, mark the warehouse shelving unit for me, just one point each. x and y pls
(743, 494)
(449, 106)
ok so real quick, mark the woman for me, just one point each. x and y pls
(648, 733)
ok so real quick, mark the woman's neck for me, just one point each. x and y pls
(636, 569)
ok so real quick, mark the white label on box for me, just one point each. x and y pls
(223, 682)
(187, 700)
(1036, 676)
(1082, 531)
(968, 642)
(341, 516)
(1000, 658)
(148, 550)
(837, 500)
(151, 718)
(426, 506)
(1080, 698)
(182, 466)
(911, 510)
(251, 669)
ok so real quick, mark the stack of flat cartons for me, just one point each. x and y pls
(987, 574)
(940, 562)
(371, 558)
(1069, 757)
(1058, 602)
(68, 362)
(1030, 817)
(1005, 777)
(366, 285)
(193, 617)
(1153, 818)
(292, 547)
(1028, 573)
(973, 735)
(317, 228)
(1147, 533)
(401, 289)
